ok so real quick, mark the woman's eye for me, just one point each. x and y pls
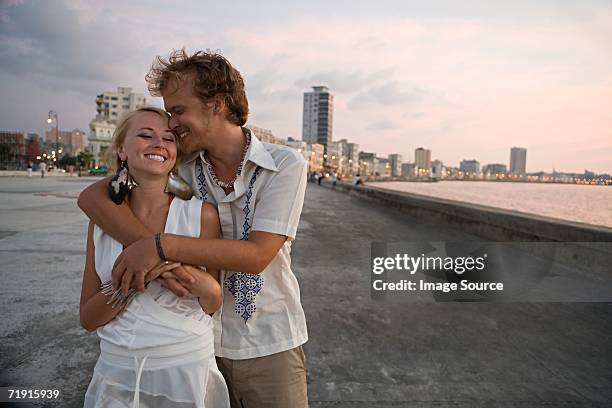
(144, 135)
(169, 139)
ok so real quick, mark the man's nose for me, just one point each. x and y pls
(173, 122)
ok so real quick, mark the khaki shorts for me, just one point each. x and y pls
(274, 381)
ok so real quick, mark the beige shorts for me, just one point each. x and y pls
(274, 381)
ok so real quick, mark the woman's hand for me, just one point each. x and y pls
(161, 268)
(205, 286)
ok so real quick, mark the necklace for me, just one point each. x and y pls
(230, 183)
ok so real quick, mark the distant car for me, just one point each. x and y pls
(98, 171)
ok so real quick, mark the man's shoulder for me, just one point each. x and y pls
(284, 156)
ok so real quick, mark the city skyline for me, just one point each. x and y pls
(465, 81)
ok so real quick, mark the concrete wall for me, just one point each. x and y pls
(487, 222)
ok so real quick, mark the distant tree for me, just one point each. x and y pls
(85, 159)
(5, 151)
(68, 160)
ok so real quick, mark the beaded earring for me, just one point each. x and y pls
(121, 184)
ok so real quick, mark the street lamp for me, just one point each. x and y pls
(53, 115)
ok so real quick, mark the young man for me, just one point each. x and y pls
(259, 192)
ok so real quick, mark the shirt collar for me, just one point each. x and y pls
(257, 153)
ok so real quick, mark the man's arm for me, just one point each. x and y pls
(250, 256)
(116, 220)
(276, 219)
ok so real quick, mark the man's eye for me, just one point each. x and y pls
(169, 139)
(144, 135)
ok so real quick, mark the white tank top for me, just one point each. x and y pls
(143, 324)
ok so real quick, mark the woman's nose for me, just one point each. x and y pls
(157, 140)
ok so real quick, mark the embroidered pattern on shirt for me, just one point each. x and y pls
(201, 179)
(246, 226)
(244, 286)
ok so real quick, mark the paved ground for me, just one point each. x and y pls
(360, 354)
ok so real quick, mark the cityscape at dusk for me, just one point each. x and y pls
(463, 82)
(390, 203)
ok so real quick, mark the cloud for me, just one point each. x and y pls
(383, 125)
(456, 80)
(389, 94)
(336, 80)
(58, 45)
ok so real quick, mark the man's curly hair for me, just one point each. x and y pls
(212, 74)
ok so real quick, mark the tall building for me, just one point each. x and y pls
(469, 166)
(266, 135)
(352, 154)
(437, 169)
(422, 161)
(335, 156)
(318, 116)
(395, 161)
(33, 146)
(383, 168)
(518, 160)
(109, 107)
(368, 164)
(12, 150)
(71, 142)
(495, 169)
(407, 169)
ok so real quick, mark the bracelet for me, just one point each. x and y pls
(160, 251)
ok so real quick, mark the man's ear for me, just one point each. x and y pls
(218, 103)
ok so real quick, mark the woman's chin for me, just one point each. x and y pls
(155, 171)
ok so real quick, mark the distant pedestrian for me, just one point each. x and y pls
(320, 178)
(357, 180)
(43, 169)
(334, 178)
(29, 169)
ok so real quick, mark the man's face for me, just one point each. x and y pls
(190, 118)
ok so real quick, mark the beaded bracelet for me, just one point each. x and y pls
(160, 251)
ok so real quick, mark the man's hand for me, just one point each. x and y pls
(133, 264)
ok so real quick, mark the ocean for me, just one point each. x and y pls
(570, 202)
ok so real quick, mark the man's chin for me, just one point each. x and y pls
(187, 150)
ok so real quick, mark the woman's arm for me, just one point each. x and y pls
(94, 311)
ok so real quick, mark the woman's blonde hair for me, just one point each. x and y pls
(111, 154)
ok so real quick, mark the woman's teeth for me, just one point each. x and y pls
(155, 157)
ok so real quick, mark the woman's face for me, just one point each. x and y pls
(149, 146)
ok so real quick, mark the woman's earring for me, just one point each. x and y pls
(121, 184)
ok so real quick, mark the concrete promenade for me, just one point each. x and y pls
(360, 354)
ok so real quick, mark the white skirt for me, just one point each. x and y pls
(179, 375)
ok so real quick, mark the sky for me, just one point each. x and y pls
(467, 80)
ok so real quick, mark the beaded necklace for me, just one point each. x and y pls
(230, 183)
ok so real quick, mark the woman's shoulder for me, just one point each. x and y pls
(203, 209)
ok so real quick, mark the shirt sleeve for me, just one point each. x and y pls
(280, 201)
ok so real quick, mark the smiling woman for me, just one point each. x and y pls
(152, 343)
(144, 129)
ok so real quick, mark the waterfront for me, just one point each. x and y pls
(361, 353)
(570, 202)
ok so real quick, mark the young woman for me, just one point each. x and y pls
(157, 349)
